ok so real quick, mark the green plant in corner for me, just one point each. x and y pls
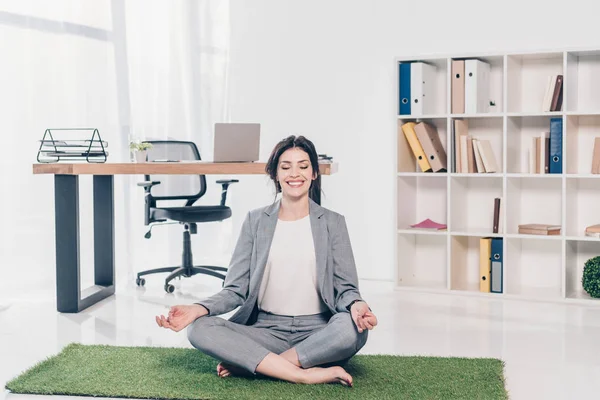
(591, 277)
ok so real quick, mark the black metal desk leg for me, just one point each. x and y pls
(69, 296)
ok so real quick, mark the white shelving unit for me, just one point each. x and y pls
(546, 268)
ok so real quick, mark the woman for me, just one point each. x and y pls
(293, 274)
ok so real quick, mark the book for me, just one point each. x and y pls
(539, 229)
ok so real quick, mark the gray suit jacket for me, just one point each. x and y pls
(336, 270)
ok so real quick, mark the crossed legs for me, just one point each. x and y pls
(267, 352)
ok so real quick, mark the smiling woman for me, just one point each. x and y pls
(301, 315)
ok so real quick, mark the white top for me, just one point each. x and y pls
(289, 285)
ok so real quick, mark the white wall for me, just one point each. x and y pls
(325, 69)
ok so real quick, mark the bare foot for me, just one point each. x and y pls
(328, 375)
(224, 370)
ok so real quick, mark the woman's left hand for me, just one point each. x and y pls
(363, 317)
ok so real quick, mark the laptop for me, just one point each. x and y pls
(236, 142)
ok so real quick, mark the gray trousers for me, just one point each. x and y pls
(319, 339)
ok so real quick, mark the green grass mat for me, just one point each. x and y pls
(178, 373)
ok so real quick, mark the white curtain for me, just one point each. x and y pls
(134, 68)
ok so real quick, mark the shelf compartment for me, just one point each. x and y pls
(422, 197)
(496, 82)
(577, 252)
(530, 200)
(583, 79)
(422, 261)
(464, 264)
(580, 135)
(520, 133)
(484, 128)
(582, 200)
(407, 162)
(472, 204)
(533, 268)
(527, 79)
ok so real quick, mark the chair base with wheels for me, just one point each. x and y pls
(188, 215)
(186, 269)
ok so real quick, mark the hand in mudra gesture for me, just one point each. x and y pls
(181, 316)
(363, 317)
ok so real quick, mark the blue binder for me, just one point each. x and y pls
(497, 266)
(556, 137)
(404, 90)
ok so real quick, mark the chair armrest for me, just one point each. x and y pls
(225, 183)
(148, 184)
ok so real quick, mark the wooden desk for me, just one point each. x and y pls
(69, 296)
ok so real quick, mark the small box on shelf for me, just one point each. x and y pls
(583, 79)
(422, 87)
(582, 149)
(582, 200)
(476, 145)
(422, 145)
(577, 253)
(531, 200)
(528, 80)
(422, 261)
(533, 268)
(473, 204)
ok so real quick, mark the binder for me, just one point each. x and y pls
(430, 141)
(458, 86)
(496, 271)
(422, 78)
(404, 89)
(555, 162)
(485, 255)
(477, 86)
(409, 132)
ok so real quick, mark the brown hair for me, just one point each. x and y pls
(302, 143)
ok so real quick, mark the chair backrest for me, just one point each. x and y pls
(176, 187)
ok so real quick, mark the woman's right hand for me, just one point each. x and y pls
(181, 316)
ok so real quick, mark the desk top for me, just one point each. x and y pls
(162, 168)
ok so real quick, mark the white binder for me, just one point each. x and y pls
(477, 87)
(422, 93)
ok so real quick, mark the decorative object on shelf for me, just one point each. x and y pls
(428, 224)
(539, 229)
(140, 150)
(72, 146)
(591, 277)
(593, 231)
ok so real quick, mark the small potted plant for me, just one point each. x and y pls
(140, 150)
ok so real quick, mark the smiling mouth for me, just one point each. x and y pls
(295, 184)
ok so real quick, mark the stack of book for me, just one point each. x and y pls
(539, 229)
(545, 152)
(593, 231)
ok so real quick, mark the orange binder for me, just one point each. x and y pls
(409, 131)
(485, 264)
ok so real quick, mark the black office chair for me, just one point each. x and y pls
(180, 187)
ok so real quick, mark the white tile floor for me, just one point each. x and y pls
(552, 351)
